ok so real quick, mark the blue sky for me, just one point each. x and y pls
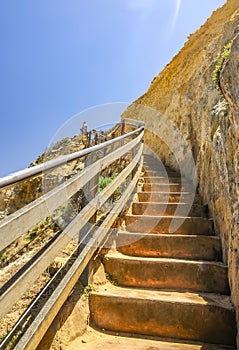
(60, 57)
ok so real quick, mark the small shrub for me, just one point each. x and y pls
(220, 63)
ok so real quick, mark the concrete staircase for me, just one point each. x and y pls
(170, 287)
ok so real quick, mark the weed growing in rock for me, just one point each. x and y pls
(220, 63)
(88, 290)
(4, 257)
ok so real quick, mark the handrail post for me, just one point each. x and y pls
(89, 139)
(122, 131)
(96, 138)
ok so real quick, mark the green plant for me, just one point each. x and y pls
(104, 181)
(12, 342)
(32, 235)
(118, 192)
(220, 63)
(4, 257)
(29, 294)
(112, 279)
(88, 290)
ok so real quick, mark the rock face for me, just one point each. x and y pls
(189, 121)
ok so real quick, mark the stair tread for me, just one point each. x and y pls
(167, 273)
(174, 193)
(170, 197)
(170, 192)
(166, 203)
(129, 343)
(120, 256)
(164, 208)
(203, 299)
(165, 177)
(168, 224)
(146, 234)
(168, 216)
(166, 183)
(177, 179)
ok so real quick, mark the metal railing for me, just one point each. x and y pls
(15, 225)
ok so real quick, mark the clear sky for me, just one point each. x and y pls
(60, 57)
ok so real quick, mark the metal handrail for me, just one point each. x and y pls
(23, 283)
(14, 225)
(54, 163)
(35, 332)
(133, 121)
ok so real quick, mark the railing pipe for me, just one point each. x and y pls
(54, 163)
(36, 210)
(14, 225)
(133, 121)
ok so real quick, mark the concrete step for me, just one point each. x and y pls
(156, 171)
(154, 208)
(168, 187)
(116, 342)
(169, 246)
(164, 224)
(170, 197)
(157, 165)
(155, 162)
(150, 156)
(206, 318)
(167, 273)
(163, 179)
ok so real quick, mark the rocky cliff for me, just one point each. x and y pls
(192, 110)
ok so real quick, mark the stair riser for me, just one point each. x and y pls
(166, 187)
(147, 224)
(164, 209)
(154, 168)
(156, 163)
(149, 171)
(150, 166)
(169, 275)
(207, 323)
(170, 246)
(161, 180)
(167, 197)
